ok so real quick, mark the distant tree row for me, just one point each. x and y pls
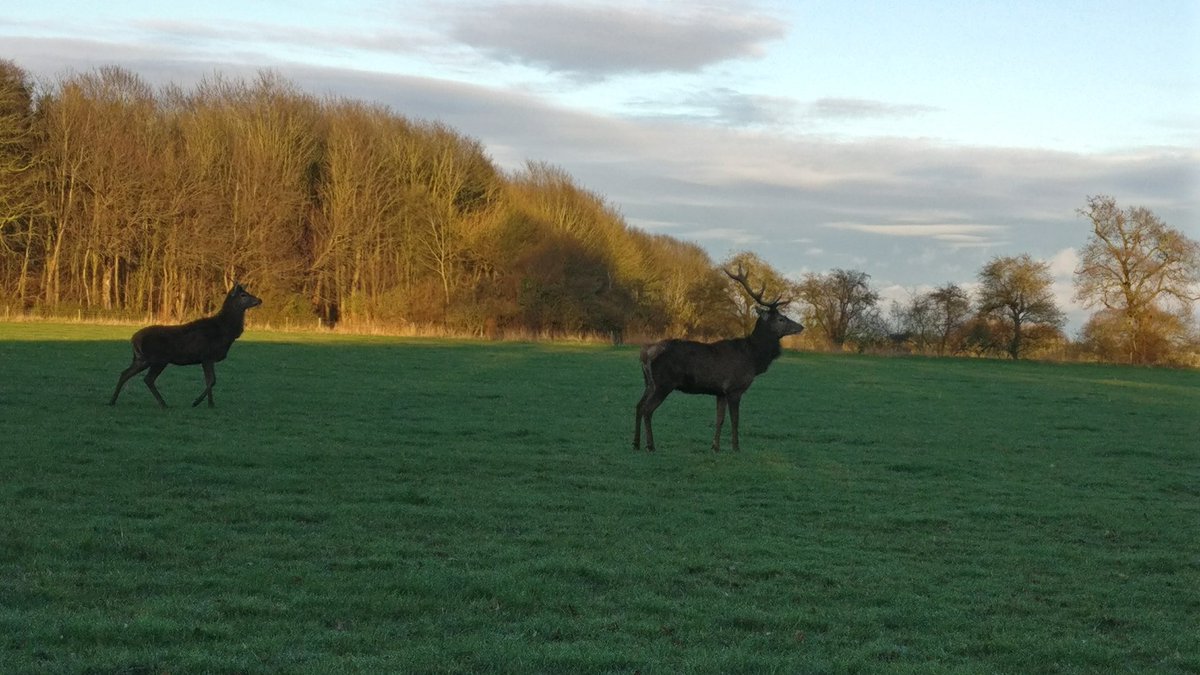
(117, 199)
(1143, 276)
(121, 199)
(1013, 313)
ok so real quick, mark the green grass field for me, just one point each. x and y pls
(387, 505)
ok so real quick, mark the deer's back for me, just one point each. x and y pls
(201, 340)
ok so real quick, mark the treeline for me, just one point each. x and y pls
(121, 200)
(1142, 276)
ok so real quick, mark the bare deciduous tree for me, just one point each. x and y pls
(841, 303)
(951, 309)
(19, 203)
(1016, 290)
(1139, 269)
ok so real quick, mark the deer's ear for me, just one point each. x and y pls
(762, 312)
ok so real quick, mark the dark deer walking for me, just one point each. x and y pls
(724, 369)
(204, 341)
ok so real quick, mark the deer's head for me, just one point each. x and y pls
(239, 298)
(769, 314)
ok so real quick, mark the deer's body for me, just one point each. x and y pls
(203, 341)
(724, 369)
(714, 368)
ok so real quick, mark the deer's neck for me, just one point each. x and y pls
(232, 320)
(764, 345)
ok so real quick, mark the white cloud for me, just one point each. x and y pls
(726, 107)
(597, 40)
(647, 224)
(856, 108)
(952, 235)
(733, 235)
(913, 230)
(1063, 263)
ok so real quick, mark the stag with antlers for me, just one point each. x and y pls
(724, 369)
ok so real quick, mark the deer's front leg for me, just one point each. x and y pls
(735, 402)
(716, 444)
(210, 379)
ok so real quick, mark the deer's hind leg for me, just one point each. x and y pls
(650, 402)
(637, 417)
(650, 397)
(155, 371)
(134, 368)
(210, 379)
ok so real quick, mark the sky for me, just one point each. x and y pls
(913, 141)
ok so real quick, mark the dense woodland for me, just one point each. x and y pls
(126, 200)
(121, 200)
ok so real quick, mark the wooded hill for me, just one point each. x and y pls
(119, 199)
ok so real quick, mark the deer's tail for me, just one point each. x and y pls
(649, 353)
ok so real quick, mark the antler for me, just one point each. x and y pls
(740, 277)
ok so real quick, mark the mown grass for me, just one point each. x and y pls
(390, 505)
